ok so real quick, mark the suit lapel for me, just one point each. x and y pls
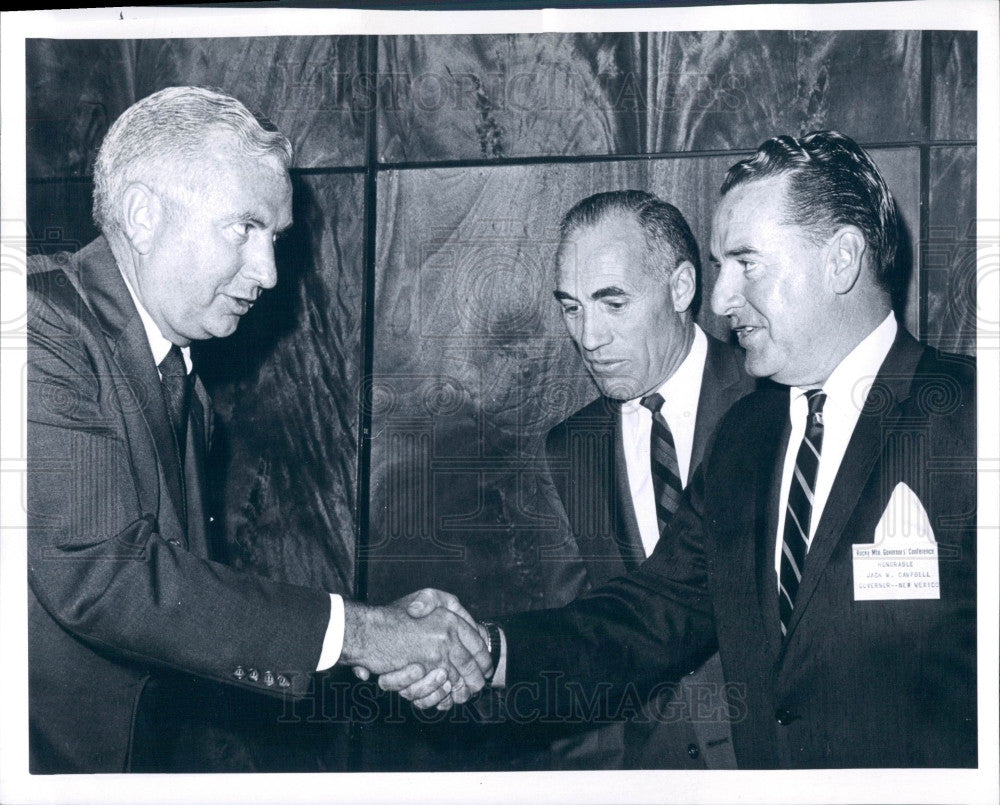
(201, 407)
(720, 387)
(879, 415)
(194, 471)
(204, 418)
(627, 532)
(113, 306)
(772, 443)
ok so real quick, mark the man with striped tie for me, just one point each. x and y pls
(827, 545)
(627, 283)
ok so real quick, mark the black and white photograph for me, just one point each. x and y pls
(526, 395)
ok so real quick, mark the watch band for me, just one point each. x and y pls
(492, 643)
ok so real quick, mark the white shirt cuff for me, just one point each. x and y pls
(499, 679)
(333, 642)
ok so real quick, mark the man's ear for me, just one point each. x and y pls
(683, 284)
(845, 258)
(142, 212)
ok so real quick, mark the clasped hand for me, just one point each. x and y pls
(426, 646)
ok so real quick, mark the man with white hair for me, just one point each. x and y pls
(190, 193)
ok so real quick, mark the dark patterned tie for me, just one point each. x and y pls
(667, 486)
(177, 395)
(795, 540)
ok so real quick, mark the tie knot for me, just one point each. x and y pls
(815, 398)
(173, 364)
(654, 402)
(814, 418)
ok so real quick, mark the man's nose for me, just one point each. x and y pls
(727, 295)
(261, 267)
(594, 333)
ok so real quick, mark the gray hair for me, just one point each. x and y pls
(168, 134)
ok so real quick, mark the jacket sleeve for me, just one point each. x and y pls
(97, 562)
(628, 637)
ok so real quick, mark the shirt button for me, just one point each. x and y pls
(175, 542)
(783, 716)
(693, 751)
(211, 518)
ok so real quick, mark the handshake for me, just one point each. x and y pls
(424, 646)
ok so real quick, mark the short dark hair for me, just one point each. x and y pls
(662, 223)
(831, 182)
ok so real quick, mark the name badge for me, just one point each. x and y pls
(902, 561)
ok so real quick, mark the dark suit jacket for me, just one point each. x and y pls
(855, 683)
(587, 463)
(118, 571)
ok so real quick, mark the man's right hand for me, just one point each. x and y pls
(442, 645)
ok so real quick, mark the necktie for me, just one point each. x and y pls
(177, 395)
(795, 540)
(663, 463)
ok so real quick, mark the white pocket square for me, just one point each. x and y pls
(904, 520)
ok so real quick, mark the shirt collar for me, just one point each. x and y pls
(687, 376)
(850, 382)
(158, 344)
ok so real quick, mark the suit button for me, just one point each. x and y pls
(175, 542)
(693, 751)
(783, 716)
(239, 673)
(252, 675)
(283, 681)
(268, 678)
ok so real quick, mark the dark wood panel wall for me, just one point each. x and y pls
(414, 306)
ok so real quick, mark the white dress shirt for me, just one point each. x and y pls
(680, 393)
(846, 390)
(333, 641)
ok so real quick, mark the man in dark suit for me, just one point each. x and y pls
(190, 192)
(627, 282)
(827, 546)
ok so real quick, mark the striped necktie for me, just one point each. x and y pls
(667, 486)
(795, 540)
